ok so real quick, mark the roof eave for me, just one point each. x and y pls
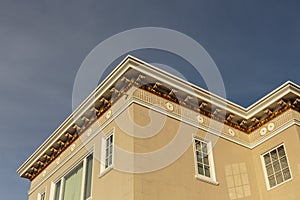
(169, 79)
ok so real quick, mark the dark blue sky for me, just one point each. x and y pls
(255, 45)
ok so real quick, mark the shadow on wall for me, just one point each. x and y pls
(237, 181)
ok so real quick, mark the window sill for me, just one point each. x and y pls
(105, 171)
(207, 180)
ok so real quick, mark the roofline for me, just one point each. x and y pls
(155, 72)
(284, 88)
(245, 112)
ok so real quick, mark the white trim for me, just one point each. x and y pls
(52, 190)
(62, 187)
(273, 96)
(265, 171)
(134, 63)
(207, 180)
(105, 171)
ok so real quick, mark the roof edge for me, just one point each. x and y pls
(287, 87)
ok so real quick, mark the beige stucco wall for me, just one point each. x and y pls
(101, 184)
(238, 169)
(290, 189)
(177, 180)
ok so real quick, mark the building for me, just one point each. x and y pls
(144, 134)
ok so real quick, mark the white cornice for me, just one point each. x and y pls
(273, 96)
(247, 113)
(169, 79)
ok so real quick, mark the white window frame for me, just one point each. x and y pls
(265, 170)
(212, 178)
(103, 168)
(40, 194)
(62, 179)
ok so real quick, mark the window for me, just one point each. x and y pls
(107, 153)
(76, 184)
(276, 166)
(204, 161)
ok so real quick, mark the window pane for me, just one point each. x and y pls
(283, 162)
(272, 181)
(205, 160)
(88, 178)
(267, 159)
(204, 148)
(270, 170)
(106, 152)
(286, 174)
(106, 163)
(276, 166)
(274, 155)
(110, 149)
(72, 189)
(57, 190)
(207, 172)
(199, 157)
(110, 160)
(281, 151)
(279, 177)
(200, 169)
(198, 145)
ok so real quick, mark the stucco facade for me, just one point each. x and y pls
(143, 128)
